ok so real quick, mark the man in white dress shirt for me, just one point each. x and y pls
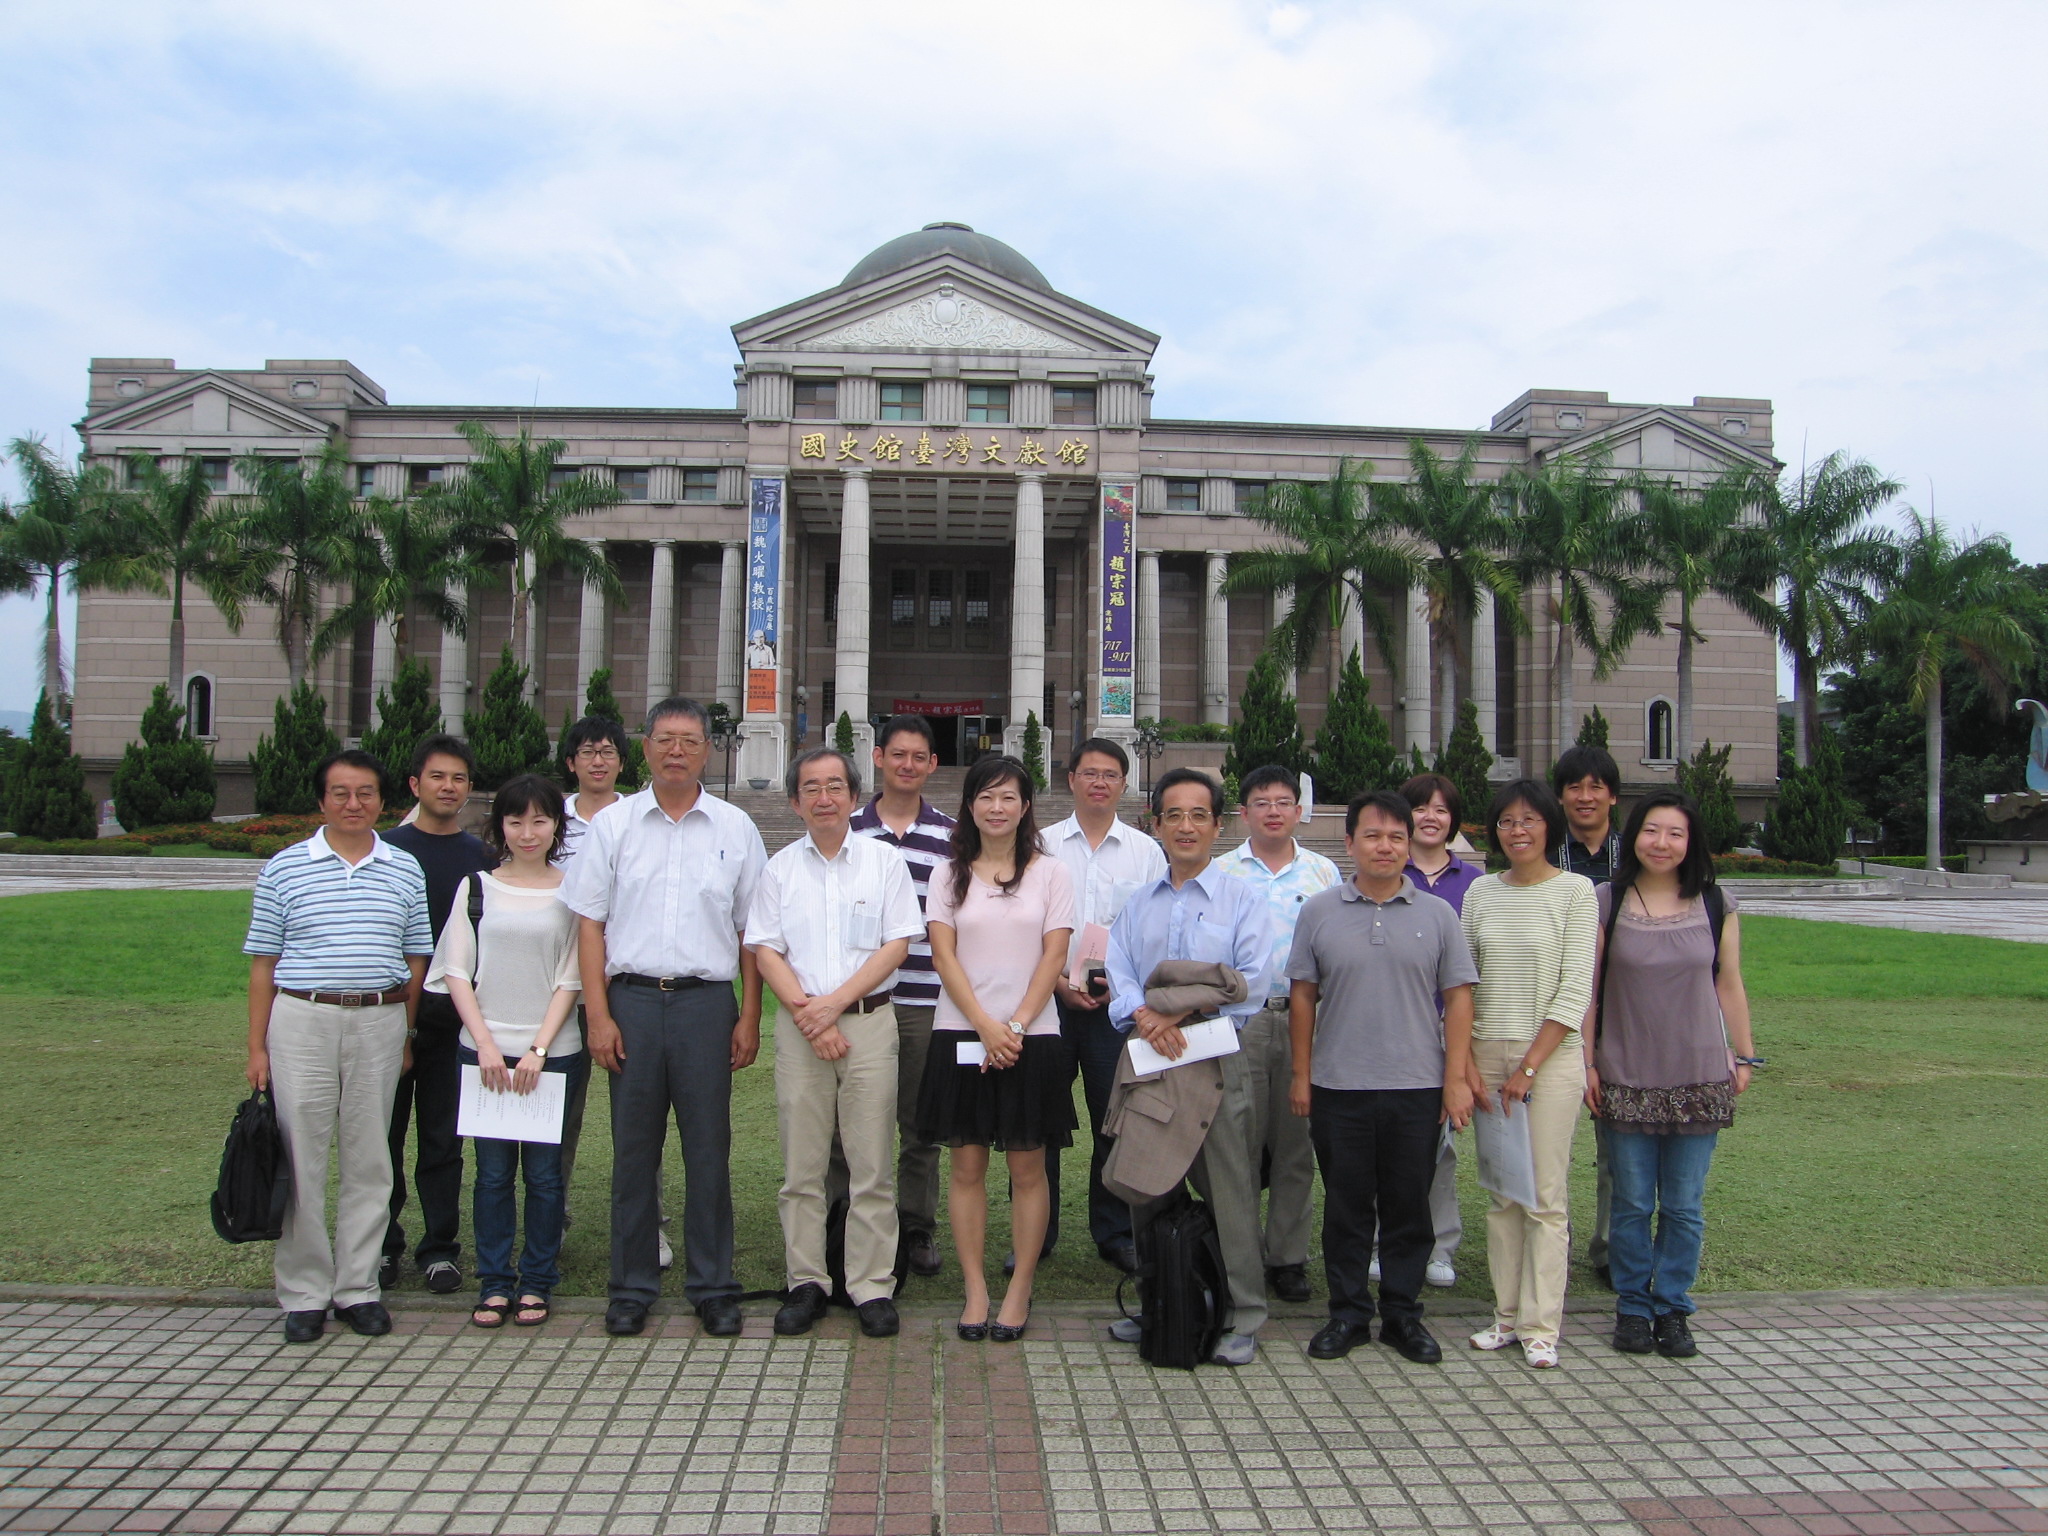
(831, 920)
(662, 884)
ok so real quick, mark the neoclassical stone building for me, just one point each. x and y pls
(941, 489)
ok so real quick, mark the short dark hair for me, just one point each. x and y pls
(793, 776)
(1418, 790)
(521, 796)
(1695, 871)
(896, 725)
(441, 744)
(1390, 803)
(1585, 763)
(1103, 745)
(1176, 776)
(1267, 777)
(678, 704)
(350, 757)
(590, 730)
(1537, 795)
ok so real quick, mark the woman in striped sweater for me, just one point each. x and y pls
(1533, 931)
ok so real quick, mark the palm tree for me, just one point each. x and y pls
(1940, 601)
(1462, 528)
(173, 532)
(1823, 553)
(511, 493)
(300, 532)
(1571, 540)
(1697, 541)
(1340, 548)
(414, 558)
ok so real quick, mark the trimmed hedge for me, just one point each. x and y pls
(1954, 863)
(1749, 864)
(73, 846)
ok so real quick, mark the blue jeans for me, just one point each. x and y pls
(495, 1216)
(1666, 1175)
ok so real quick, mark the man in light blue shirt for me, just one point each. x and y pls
(1197, 912)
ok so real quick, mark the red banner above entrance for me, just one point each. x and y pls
(942, 707)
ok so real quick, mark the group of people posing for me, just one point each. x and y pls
(940, 980)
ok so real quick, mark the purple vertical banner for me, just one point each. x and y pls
(1118, 699)
(764, 598)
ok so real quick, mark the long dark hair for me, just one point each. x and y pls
(987, 773)
(1695, 871)
(522, 797)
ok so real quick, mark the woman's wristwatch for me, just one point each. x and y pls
(539, 1050)
(1527, 1070)
(1749, 1061)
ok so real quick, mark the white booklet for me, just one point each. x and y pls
(535, 1116)
(1209, 1038)
(1507, 1162)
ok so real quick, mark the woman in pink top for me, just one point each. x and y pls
(999, 917)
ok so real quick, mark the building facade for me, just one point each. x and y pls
(941, 490)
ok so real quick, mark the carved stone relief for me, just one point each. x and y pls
(945, 321)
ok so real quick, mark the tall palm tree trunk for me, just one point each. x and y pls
(53, 640)
(1566, 731)
(1805, 680)
(177, 678)
(1447, 697)
(529, 625)
(1934, 777)
(1685, 644)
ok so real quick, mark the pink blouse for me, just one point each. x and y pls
(1000, 939)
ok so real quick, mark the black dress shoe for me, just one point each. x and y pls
(1674, 1337)
(1632, 1334)
(1411, 1341)
(367, 1318)
(304, 1327)
(805, 1306)
(387, 1272)
(1120, 1253)
(721, 1316)
(1288, 1282)
(1336, 1339)
(878, 1318)
(924, 1255)
(623, 1319)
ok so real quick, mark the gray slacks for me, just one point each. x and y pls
(678, 1062)
(1278, 1134)
(917, 1163)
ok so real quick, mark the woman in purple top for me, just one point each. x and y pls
(1668, 1004)
(1431, 864)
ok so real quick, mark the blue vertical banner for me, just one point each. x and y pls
(1119, 601)
(764, 598)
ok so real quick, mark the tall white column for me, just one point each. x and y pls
(534, 648)
(732, 618)
(1148, 634)
(455, 670)
(383, 660)
(1485, 694)
(1283, 608)
(1415, 671)
(661, 624)
(1350, 635)
(1027, 613)
(1215, 642)
(589, 630)
(856, 594)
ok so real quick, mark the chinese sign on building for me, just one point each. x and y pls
(764, 597)
(1119, 600)
(889, 448)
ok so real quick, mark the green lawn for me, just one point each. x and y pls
(1895, 1138)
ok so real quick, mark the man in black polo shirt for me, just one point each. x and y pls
(442, 774)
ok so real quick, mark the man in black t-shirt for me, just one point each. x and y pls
(442, 774)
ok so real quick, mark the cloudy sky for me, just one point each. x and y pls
(1396, 214)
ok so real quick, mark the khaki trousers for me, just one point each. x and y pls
(333, 1072)
(1528, 1250)
(854, 1098)
(1280, 1134)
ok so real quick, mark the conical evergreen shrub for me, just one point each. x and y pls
(1353, 750)
(1812, 812)
(1465, 762)
(406, 713)
(283, 762)
(1592, 730)
(1034, 748)
(1707, 780)
(1268, 730)
(50, 800)
(842, 733)
(506, 734)
(166, 777)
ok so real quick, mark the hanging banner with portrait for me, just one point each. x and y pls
(764, 597)
(1119, 664)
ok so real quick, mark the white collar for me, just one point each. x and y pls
(1119, 829)
(317, 847)
(652, 806)
(1243, 852)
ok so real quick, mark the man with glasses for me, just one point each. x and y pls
(593, 755)
(662, 885)
(1285, 874)
(1107, 859)
(830, 922)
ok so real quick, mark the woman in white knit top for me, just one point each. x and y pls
(1533, 930)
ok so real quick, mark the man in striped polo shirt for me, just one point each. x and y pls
(899, 815)
(338, 944)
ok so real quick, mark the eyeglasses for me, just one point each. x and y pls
(1099, 776)
(364, 796)
(1263, 806)
(811, 791)
(667, 743)
(1185, 818)
(604, 754)
(1526, 824)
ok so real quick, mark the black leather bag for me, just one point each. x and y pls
(1182, 1293)
(255, 1175)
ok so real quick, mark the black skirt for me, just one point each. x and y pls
(1017, 1109)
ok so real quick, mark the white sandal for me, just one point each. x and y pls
(1493, 1336)
(1539, 1354)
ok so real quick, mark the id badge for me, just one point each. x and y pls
(864, 926)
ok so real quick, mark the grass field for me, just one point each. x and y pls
(1895, 1139)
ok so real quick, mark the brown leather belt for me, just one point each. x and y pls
(350, 999)
(873, 1003)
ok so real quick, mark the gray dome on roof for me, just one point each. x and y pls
(946, 239)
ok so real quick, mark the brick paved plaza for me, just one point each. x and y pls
(1829, 1415)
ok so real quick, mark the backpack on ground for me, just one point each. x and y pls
(255, 1175)
(1182, 1293)
(835, 1254)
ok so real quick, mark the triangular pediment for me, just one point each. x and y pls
(1659, 440)
(207, 404)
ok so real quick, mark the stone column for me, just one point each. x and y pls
(383, 661)
(1484, 690)
(1027, 614)
(1215, 642)
(1283, 609)
(1350, 635)
(661, 624)
(856, 591)
(589, 631)
(732, 618)
(455, 670)
(1148, 634)
(1415, 670)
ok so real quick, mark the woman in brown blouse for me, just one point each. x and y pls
(1668, 1005)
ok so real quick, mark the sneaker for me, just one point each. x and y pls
(1632, 1334)
(1440, 1273)
(1235, 1349)
(1493, 1336)
(443, 1278)
(1539, 1354)
(665, 1254)
(1127, 1330)
(1674, 1337)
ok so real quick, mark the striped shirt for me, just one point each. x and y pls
(337, 927)
(1306, 874)
(925, 847)
(1534, 947)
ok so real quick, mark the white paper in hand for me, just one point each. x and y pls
(535, 1116)
(1507, 1162)
(1206, 1040)
(970, 1053)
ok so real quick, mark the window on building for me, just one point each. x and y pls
(700, 485)
(988, 402)
(938, 606)
(199, 705)
(816, 400)
(1072, 407)
(977, 590)
(1251, 495)
(216, 472)
(632, 483)
(831, 593)
(903, 601)
(561, 475)
(1183, 495)
(902, 402)
(1659, 730)
(831, 692)
(366, 480)
(418, 477)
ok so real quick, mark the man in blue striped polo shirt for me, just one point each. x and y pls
(338, 944)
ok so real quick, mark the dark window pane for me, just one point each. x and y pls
(816, 400)
(419, 476)
(939, 599)
(976, 584)
(1183, 495)
(366, 479)
(902, 599)
(216, 472)
(557, 478)
(831, 593)
(988, 402)
(1073, 407)
(632, 483)
(1251, 494)
(700, 485)
(902, 402)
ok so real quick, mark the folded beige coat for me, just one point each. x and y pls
(1193, 986)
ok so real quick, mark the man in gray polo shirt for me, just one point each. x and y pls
(1378, 1072)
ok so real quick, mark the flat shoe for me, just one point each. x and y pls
(495, 1311)
(304, 1327)
(531, 1304)
(1538, 1355)
(972, 1333)
(367, 1318)
(1336, 1339)
(1005, 1333)
(623, 1319)
(1493, 1336)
